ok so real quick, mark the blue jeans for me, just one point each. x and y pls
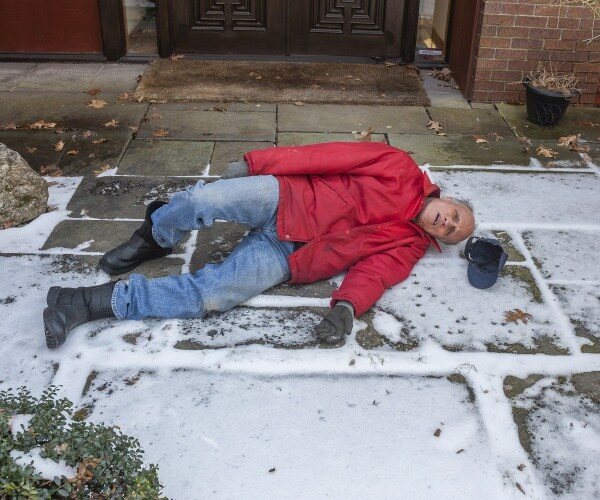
(257, 263)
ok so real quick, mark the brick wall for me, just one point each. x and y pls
(518, 35)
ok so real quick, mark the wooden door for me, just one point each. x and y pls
(282, 27)
(346, 27)
(464, 30)
(228, 26)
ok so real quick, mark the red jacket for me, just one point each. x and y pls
(352, 204)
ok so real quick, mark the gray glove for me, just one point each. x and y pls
(336, 324)
(236, 169)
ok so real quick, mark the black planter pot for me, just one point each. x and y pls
(545, 107)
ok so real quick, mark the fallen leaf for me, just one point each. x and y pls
(99, 141)
(9, 126)
(124, 96)
(437, 432)
(516, 315)
(480, 140)
(364, 136)
(102, 169)
(134, 129)
(161, 132)
(590, 123)
(113, 123)
(299, 103)
(546, 152)
(59, 146)
(51, 171)
(176, 57)
(96, 104)
(72, 152)
(39, 125)
(389, 64)
(435, 126)
(495, 135)
(572, 142)
(525, 142)
(30, 150)
(521, 467)
(87, 134)
(443, 74)
(94, 91)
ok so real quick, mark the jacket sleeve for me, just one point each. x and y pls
(357, 158)
(366, 280)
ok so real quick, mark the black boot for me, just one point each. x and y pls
(71, 307)
(140, 247)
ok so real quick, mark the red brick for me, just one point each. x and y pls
(531, 21)
(489, 30)
(547, 10)
(494, 42)
(539, 55)
(522, 9)
(588, 67)
(498, 20)
(493, 7)
(579, 12)
(576, 34)
(507, 76)
(527, 43)
(544, 33)
(559, 44)
(569, 22)
(490, 85)
(480, 96)
(486, 53)
(513, 32)
(511, 53)
(523, 65)
(491, 63)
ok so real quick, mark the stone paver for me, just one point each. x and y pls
(226, 152)
(52, 77)
(37, 147)
(584, 121)
(474, 121)
(461, 150)
(122, 197)
(299, 138)
(12, 73)
(187, 122)
(160, 158)
(339, 118)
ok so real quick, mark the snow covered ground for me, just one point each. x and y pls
(435, 395)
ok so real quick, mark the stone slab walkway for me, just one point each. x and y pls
(529, 389)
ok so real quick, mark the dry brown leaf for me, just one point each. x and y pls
(546, 152)
(176, 57)
(51, 171)
(96, 104)
(364, 136)
(93, 92)
(516, 315)
(102, 169)
(298, 103)
(495, 135)
(30, 149)
(389, 64)
(216, 108)
(435, 126)
(87, 134)
(134, 129)
(100, 141)
(161, 132)
(9, 126)
(41, 124)
(113, 123)
(124, 96)
(480, 140)
(72, 152)
(59, 146)
(572, 142)
(443, 74)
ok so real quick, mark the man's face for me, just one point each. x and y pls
(446, 220)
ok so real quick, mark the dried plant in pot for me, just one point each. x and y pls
(548, 95)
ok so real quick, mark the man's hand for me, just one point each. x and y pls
(236, 169)
(336, 325)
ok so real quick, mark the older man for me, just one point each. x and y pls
(313, 211)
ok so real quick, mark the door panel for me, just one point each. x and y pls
(228, 26)
(288, 27)
(346, 27)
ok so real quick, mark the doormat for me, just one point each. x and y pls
(281, 82)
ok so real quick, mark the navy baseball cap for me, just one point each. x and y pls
(486, 259)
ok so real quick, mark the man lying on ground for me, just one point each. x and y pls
(313, 212)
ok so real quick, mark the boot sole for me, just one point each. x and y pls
(113, 272)
(52, 340)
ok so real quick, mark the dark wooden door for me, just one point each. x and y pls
(346, 27)
(464, 31)
(228, 26)
(286, 27)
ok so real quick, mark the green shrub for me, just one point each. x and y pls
(108, 463)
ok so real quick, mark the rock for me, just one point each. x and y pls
(23, 193)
